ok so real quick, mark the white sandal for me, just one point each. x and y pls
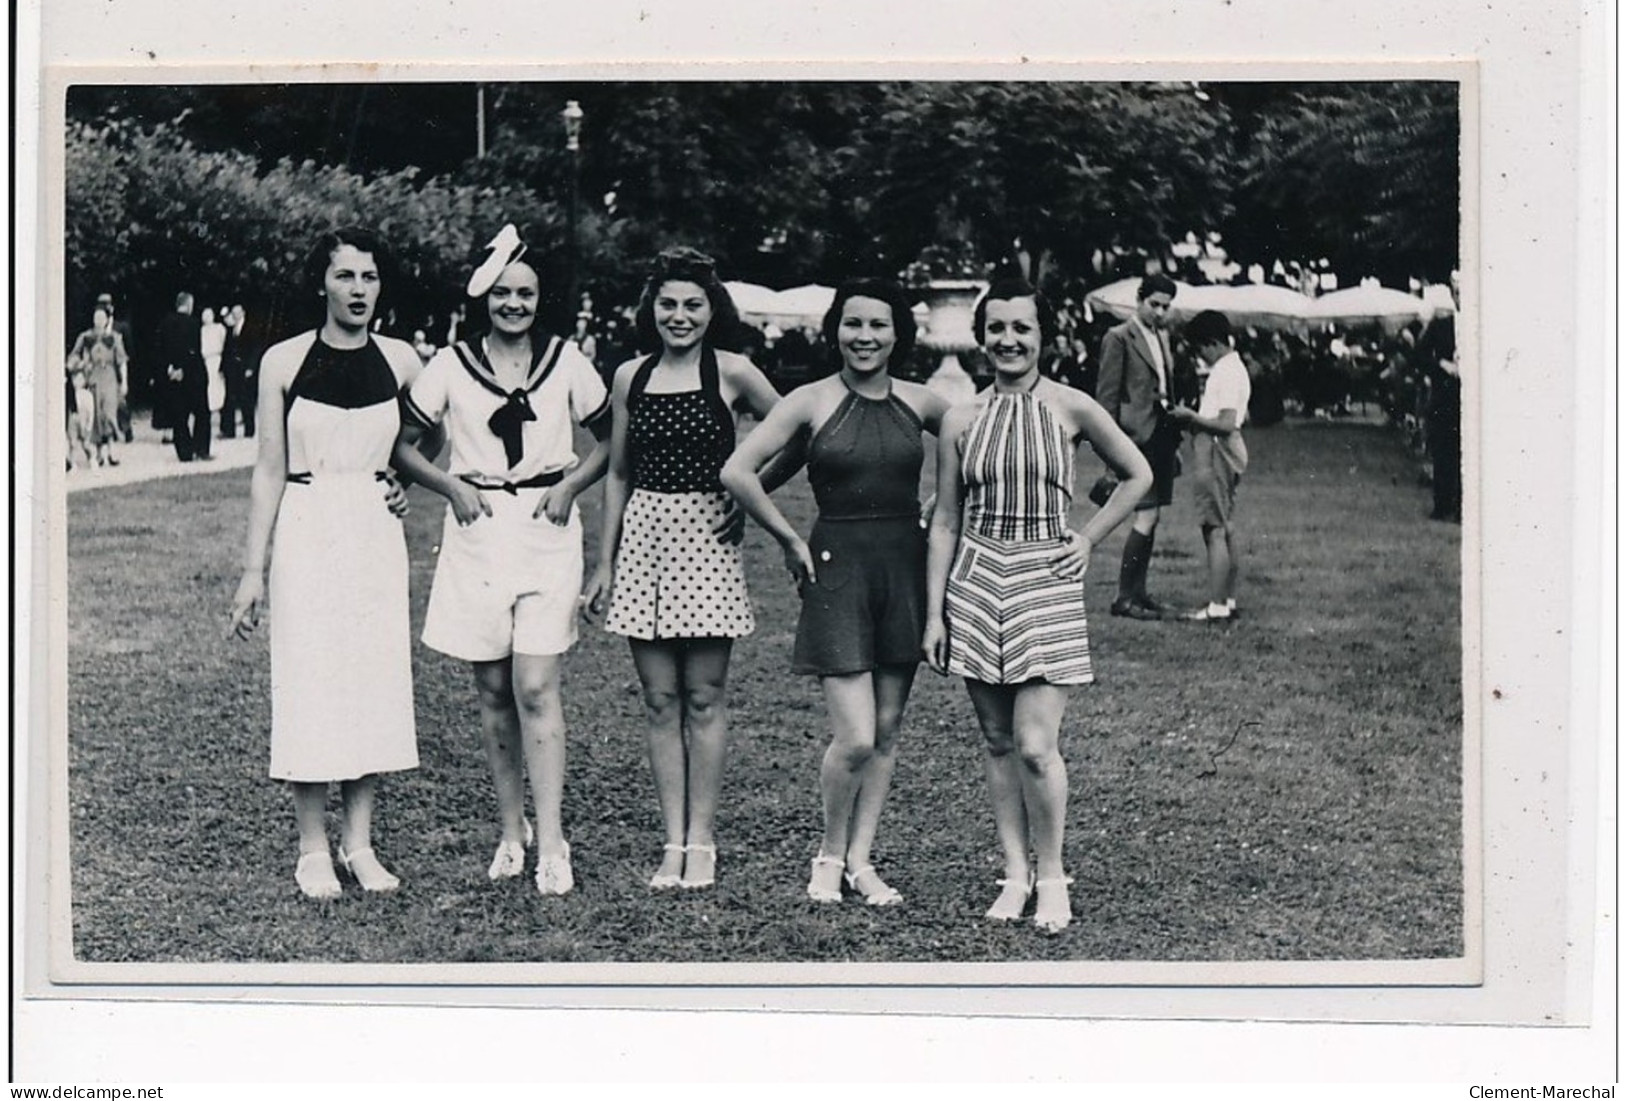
(363, 865)
(887, 895)
(710, 880)
(315, 876)
(509, 860)
(826, 894)
(1053, 923)
(554, 876)
(1005, 914)
(665, 881)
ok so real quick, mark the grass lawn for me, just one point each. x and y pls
(1284, 787)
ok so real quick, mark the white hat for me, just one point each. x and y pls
(506, 247)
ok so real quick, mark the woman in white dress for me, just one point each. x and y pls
(341, 674)
(214, 350)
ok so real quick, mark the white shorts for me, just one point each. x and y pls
(509, 583)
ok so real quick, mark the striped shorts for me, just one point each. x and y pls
(1011, 619)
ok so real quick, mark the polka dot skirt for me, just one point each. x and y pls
(672, 578)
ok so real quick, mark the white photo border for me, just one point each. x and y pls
(1525, 868)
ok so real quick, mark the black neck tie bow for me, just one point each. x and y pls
(508, 422)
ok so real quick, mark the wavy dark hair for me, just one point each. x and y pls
(902, 317)
(1156, 284)
(687, 265)
(1006, 288)
(362, 240)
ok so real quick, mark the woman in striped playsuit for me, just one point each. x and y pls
(1005, 581)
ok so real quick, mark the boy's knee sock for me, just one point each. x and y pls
(1136, 556)
(1145, 563)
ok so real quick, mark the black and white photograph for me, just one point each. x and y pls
(847, 522)
(717, 544)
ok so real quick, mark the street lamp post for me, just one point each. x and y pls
(573, 114)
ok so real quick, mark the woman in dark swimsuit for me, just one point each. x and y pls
(862, 570)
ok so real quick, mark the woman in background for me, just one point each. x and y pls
(104, 372)
(214, 352)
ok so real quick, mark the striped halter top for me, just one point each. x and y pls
(1016, 466)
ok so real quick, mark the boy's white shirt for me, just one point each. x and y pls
(1228, 386)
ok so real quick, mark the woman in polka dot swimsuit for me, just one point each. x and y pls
(676, 589)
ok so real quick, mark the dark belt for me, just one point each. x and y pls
(535, 481)
(303, 477)
(859, 517)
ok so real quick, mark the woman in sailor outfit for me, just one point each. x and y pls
(508, 582)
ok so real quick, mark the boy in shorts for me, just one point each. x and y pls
(1220, 455)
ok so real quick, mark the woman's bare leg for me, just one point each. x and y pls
(500, 738)
(541, 723)
(704, 677)
(890, 688)
(995, 710)
(660, 675)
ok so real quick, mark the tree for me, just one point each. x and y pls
(218, 187)
(1366, 175)
(1049, 171)
(368, 128)
(740, 170)
(149, 214)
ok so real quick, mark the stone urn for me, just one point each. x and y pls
(946, 332)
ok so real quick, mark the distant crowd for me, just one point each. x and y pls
(199, 377)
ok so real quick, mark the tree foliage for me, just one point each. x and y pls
(742, 170)
(1366, 175)
(364, 127)
(150, 214)
(1042, 169)
(785, 182)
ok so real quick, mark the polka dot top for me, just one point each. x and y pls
(679, 441)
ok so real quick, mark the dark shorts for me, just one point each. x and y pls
(1162, 452)
(867, 607)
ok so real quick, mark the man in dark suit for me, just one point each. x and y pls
(185, 380)
(1136, 376)
(1437, 352)
(239, 364)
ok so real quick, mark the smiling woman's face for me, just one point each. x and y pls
(682, 313)
(1011, 336)
(351, 287)
(512, 299)
(866, 334)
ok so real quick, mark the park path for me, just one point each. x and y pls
(149, 457)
